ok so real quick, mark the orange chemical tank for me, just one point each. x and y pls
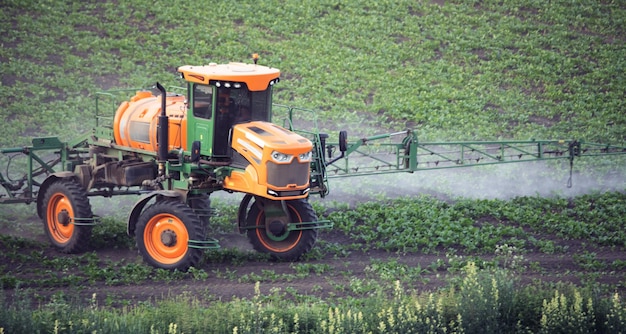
(136, 121)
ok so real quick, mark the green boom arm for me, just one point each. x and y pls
(59, 156)
(403, 152)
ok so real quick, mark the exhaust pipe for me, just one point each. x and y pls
(162, 133)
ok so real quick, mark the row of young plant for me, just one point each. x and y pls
(427, 224)
(458, 231)
(478, 301)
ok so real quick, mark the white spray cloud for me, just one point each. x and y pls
(505, 181)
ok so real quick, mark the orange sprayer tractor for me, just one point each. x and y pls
(176, 149)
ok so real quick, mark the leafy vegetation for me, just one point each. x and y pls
(483, 301)
(30, 272)
(427, 224)
(464, 70)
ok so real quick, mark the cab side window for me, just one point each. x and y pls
(202, 101)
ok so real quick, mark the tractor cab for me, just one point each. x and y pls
(221, 96)
(229, 124)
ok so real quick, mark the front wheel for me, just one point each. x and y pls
(65, 207)
(201, 206)
(163, 233)
(276, 236)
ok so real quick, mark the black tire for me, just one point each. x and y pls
(162, 234)
(64, 203)
(294, 243)
(201, 205)
(343, 141)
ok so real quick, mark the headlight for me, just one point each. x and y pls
(281, 157)
(304, 157)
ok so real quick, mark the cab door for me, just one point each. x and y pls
(202, 117)
(225, 114)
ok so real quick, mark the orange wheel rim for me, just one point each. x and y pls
(166, 238)
(59, 217)
(278, 246)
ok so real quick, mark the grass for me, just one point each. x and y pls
(482, 300)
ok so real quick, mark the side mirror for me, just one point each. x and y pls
(343, 147)
(343, 140)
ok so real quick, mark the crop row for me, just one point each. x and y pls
(521, 70)
(405, 226)
(427, 224)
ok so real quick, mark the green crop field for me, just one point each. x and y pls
(485, 250)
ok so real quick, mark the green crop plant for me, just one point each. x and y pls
(490, 71)
(111, 233)
(588, 261)
(198, 274)
(305, 269)
(227, 274)
(391, 270)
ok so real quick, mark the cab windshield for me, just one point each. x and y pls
(240, 105)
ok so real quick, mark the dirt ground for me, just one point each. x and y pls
(39, 269)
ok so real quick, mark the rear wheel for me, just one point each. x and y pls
(66, 206)
(163, 233)
(277, 239)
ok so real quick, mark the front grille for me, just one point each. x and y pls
(281, 175)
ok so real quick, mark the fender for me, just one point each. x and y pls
(242, 213)
(141, 203)
(44, 186)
